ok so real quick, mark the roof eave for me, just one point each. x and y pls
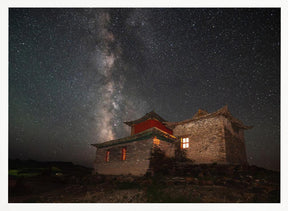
(140, 136)
(150, 115)
(128, 123)
(245, 127)
(94, 145)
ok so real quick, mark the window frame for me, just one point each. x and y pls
(124, 153)
(107, 157)
(156, 141)
(185, 142)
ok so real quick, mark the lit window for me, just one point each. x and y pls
(107, 156)
(156, 141)
(185, 143)
(124, 150)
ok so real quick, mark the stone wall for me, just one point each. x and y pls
(167, 148)
(211, 140)
(235, 144)
(137, 158)
(206, 140)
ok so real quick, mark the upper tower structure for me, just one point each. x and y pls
(216, 137)
(148, 121)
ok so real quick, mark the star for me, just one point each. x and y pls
(75, 75)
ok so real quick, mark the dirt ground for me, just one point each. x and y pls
(160, 189)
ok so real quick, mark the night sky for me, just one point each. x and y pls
(75, 75)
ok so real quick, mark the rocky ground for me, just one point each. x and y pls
(192, 184)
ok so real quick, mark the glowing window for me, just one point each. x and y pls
(185, 143)
(107, 156)
(156, 141)
(124, 150)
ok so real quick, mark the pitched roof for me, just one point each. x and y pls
(204, 114)
(150, 115)
(152, 132)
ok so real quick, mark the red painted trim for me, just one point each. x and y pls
(149, 123)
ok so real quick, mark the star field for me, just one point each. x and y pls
(75, 75)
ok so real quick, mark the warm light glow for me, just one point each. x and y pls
(185, 143)
(107, 156)
(123, 153)
(156, 141)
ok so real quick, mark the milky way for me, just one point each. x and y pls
(75, 75)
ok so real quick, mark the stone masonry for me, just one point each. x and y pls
(138, 155)
(234, 143)
(213, 138)
(206, 140)
(137, 161)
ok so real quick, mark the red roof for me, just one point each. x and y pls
(150, 115)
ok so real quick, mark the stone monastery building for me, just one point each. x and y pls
(205, 138)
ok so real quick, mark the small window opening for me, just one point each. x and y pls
(185, 143)
(124, 150)
(156, 141)
(107, 156)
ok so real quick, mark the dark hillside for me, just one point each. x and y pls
(66, 182)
